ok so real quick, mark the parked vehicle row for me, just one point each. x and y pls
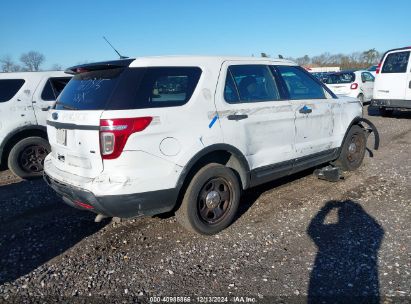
(145, 136)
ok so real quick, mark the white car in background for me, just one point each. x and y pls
(357, 84)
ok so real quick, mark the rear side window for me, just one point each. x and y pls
(338, 78)
(396, 62)
(299, 84)
(367, 77)
(130, 88)
(9, 88)
(53, 88)
(250, 83)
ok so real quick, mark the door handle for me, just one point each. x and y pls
(305, 110)
(45, 109)
(409, 85)
(237, 116)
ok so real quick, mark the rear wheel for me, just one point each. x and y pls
(210, 201)
(353, 149)
(26, 158)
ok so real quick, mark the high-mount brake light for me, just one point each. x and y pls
(115, 132)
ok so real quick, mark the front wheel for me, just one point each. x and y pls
(26, 158)
(353, 149)
(210, 201)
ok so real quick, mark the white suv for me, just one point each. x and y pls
(24, 101)
(392, 89)
(150, 135)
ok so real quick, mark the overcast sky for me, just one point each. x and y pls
(70, 32)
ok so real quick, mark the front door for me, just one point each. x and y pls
(254, 116)
(314, 112)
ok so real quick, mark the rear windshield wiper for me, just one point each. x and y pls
(66, 106)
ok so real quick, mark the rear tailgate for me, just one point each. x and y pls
(74, 140)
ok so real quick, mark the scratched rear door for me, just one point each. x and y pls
(253, 114)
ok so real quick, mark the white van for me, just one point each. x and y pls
(24, 101)
(392, 87)
(149, 135)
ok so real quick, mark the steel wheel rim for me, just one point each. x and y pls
(31, 159)
(214, 200)
(355, 148)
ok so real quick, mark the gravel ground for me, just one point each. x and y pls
(294, 240)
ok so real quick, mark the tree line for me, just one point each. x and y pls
(33, 60)
(356, 60)
(29, 62)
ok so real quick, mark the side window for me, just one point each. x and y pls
(367, 77)
(53, 88)
(396, 62)
(250, 83)
(9, 88)
(165, 86)
(299, 84)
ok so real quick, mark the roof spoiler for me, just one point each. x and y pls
(104, 65)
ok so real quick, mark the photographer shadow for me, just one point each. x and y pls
(346, 265)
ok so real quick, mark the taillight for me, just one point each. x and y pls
(377, 71)
(354, 86)
(115, 132)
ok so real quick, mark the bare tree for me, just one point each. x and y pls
(370, 57)
(56, 67)
(8, 65)
(303, 60)
(32, 60)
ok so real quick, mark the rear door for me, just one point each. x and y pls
(314, 111)
(73, 125)
(254, 116)
(393, 81)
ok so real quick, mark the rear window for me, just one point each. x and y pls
(340, 78)
(396, 62)
(9, 88)
(130, 88)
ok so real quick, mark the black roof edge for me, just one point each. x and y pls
(396, 49)
(103, 65)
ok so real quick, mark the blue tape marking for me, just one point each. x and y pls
(213, 121)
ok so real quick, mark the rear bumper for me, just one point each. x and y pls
(123, 206)
(391, 103)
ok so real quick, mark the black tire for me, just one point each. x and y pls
(202, 210)
(386, 112)
(26, 158)
(353, 149)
